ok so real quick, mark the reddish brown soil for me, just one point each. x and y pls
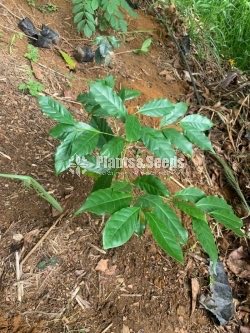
(143, 291)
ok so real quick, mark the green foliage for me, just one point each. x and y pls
(33, 87)
(31, 182)
(133, 205)
(32, 53)
(145, 46)
(88, 15)
(220, 26)
(106, 45)
(47, 8)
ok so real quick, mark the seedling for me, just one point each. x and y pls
(33, 87)
(32, 54)
(102, 14)
(145, 201)
(145, 47)
(32, 183)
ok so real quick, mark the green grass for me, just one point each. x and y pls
(224, 25)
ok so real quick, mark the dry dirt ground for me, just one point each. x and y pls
(70, 283)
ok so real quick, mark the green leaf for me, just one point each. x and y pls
(178, 110)
(156, 108)
(165, 213)
(189, 209)
(178, 140)
(120, 227)
(200, 139)
(68, 59)
(104, 181)
(113, 148)
(132, 128)
(105, 201)
(212, 203)
(156, 142)
(85, 140)
(152, 185)
(196, 122)
(55, 110)
(60, 131)
(110, 102)
(205, 237)
(128, 94)
(229, 220)
(63, 155)
(191, 194)
(145, 47)
(164, 237)
(102, 125)
(123, 186)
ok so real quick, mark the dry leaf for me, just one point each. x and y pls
(102, 265)
(111, 270)
(38, 73)
(195, 286)
(125, 329)
(239, 263)
(167, 75)
(17, 237)
(31, 235)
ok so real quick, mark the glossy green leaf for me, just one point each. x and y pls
(105, 201)
(200, 139)
(120, 185)
(110, 102)
(156, 142)
(192, 194)
(132, 128)
(178, 110)
(156, 108)
(196, 122)
(113, 148)
(166, 214)
(229, 220)
(178, 140)
(189, 209)
(120, 227)
(128, 94)
(152, 185)
(212, 203)
(55, 110)
(204, 235)
(164, 237)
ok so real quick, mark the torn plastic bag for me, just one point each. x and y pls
(44, 38)
(28, 28)
(220, 302)
(84, 54)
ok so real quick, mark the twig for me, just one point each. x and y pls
(50, 69)
(43, 238)
(107, 328)
(18, 277)
(15, 31)
(177, 182)
(9, 11)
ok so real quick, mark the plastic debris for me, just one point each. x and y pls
(220, 302)
(84, 54)
(43, 38)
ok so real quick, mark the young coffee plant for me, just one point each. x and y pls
(135, 204)
(104, 14)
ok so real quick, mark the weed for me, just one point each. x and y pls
(31, 3)
(32, 53)
(133, 204)
(33, 87)
(48, 8)
(222, 25)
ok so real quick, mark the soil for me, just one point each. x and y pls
(70, 283)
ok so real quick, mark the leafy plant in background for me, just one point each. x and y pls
(32, 53)
(33, 87)
(106, 45)
(132, 205)
(102, 14)
(31, 182)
